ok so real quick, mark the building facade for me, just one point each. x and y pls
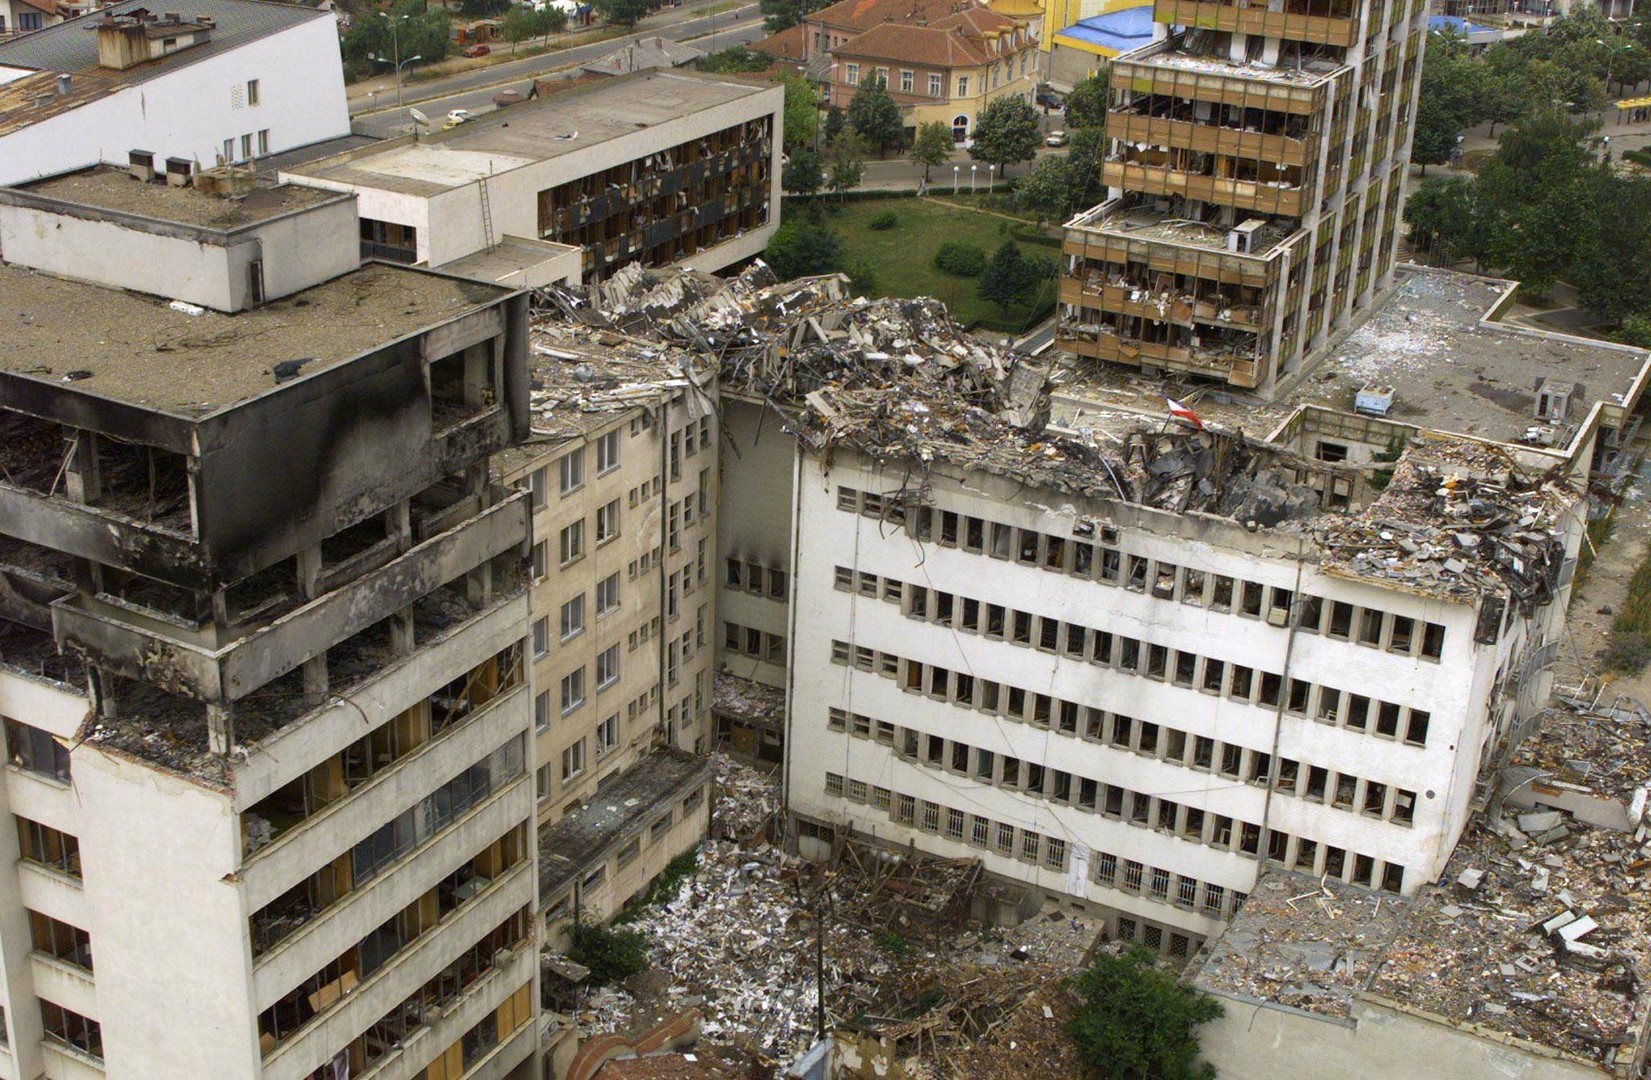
(263, 672)
(624, 489)
(653, 168)
(210, 82)
(1254, 177)
(944, 71)
(1133, 711)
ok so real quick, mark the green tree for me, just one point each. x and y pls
(519, 24)
(1137, 1021)
(611, 955)
(483, 9)
(844, 161)
(1007, 276)
(623, 12)
(549, 20)
(1086, 104)
(417, 33)
(874, 116)
(835, 121)
(1046, 191)
(799, 248)
(1612, 273)
(802, 111)
(735, 59)
(1452, 98)
(1083, 159)
(932, 145)
(1440, 215)
(801, 174)
(1006, 133)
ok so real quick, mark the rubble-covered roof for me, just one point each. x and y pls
(657, 782)
(746, 699)
(1458, 518)
(1448, 371)
(1301, 942)
(1545, 936)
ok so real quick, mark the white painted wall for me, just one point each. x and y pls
(189, 113)
(298, 250)
(1455, 689)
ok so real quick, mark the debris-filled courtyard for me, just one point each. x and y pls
(742, 939)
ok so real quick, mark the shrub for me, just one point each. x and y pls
(882, 220)
(612, 955)
(960, 258)
(1628, 653)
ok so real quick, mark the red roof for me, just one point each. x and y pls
(964, 39)
(865, 14)
(786, 45)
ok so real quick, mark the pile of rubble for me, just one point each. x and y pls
(1458, 518)
(740, 939)
(1544, 933)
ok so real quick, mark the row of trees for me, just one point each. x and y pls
(1572, 68)
(1544, 209)
(408, 30)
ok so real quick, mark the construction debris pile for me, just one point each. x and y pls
(1596, 745)
(1458, 518)
(1544, 933)
(1212, 472)
(739, 942)
(1302, 942)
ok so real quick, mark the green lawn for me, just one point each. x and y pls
(903, 257)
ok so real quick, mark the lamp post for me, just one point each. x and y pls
(395, 43)
(973, 170)
(954, 180)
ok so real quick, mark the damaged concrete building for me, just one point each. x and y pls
(1254, 171)
(622, 474)
(263, 621)
(651, 168)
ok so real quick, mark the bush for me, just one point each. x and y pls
(883, 220)
(1628, 653)
(664, 887)
(612, 955)
(960, 258)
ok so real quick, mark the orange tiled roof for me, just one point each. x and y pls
(786, 45)
(964, 39)
(865, 14)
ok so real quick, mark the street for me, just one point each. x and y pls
(474, 90)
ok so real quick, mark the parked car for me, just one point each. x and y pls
(459, 116)
(1049, 99)
(1057, 138)
(476, 50)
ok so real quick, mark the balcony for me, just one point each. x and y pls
(1207, 138)
(157, 653)
(1181, 309)
(1092, 341)
(1243, 194)
(1291, 21)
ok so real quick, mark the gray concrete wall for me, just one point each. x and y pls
(755, 527)
(1256, 1041)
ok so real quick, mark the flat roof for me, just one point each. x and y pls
(654, 783)
(510, 256)
(109, 187)
(141, 350)
(1142, 222)
(1171, 54)
(1451, 373)
(1112, 32)
(532, 132)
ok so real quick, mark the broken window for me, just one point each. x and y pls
(1149, 738)
(1232, 759)
(1129, 655)
(948, 528)
(462, 385)
(1203, 752)
(994, 621)
(1083, 560)
(974, 535)
(1375, 798)
(1023, 628)
(1186, 668)
(1054, 553)
(1433, 641)
(1192, 590)
(1122, 729)
(1221, 594)
(1214, 671)
(1027, 551)
(1318, 782)
(1416, 730)
(1157, 660)
(1404, 807)
(1271, 685)
(1048, 634)
(1016, 708)
(1109, 565)
(1251, 598)
(1329, 704)
(1002, 540)
(1370, 627)
(1163, 583)
(1011, 772)
(1387, 720)
(1393, 878)
(1175, 745)
(1311, 613)
(1077, 640)
(1137, 574)
(1403, 635)
(1241, 687)
(1341, 620)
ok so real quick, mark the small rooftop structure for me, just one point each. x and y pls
(645, 55)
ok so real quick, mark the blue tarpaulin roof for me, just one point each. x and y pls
(1458, 24)
(1116, 31)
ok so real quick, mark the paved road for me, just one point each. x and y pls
(679, 24)
(468, 91)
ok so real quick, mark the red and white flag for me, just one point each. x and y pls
(1184, 414)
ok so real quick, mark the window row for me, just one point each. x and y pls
(757, 644)
(1096, 558)
(759, 580)
(1314, 783)
(1324, 704)
(658, 830)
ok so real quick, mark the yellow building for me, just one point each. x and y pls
(947, 70)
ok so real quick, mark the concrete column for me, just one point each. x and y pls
(220, 729)
(401, 632)
(309, 564)
(82, 479)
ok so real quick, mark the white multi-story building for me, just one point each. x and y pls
(263, 617)
(208, 82)
(1132, 704)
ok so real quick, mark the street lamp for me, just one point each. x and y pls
(395, 42)
(972, 170)
(954, 180)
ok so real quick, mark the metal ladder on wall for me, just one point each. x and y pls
(487, 215)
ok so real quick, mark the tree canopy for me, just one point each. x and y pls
(1007, 132)
(780, 15)
(802, 110)
(1046, 191)
(844, 161)
(800, 247)
(417, 32)
(801, 174)
(874, 116)
(623, 12)
(932, 145)
(1136, 1021)
(1086, 104)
